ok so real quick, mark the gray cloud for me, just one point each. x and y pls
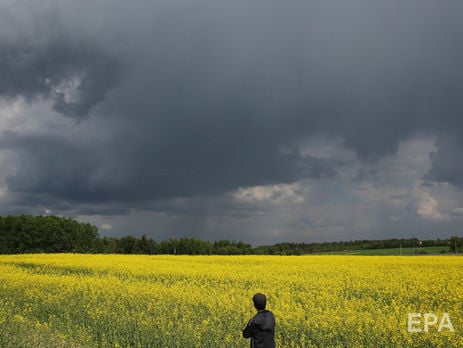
(49, 166)
(54, 70)
(446, 166)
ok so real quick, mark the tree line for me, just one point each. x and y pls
(52, 234)
(45, 234)
(353, 245)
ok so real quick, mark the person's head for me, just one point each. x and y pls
(260, 301)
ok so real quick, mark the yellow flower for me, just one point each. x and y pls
(205, 301)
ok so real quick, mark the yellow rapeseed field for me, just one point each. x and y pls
(75, 300)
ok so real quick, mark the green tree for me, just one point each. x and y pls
(456, 244)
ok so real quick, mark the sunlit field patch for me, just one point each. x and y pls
(75, 300)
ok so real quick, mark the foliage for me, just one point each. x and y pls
(434, 250)
(343, 246)
(49, 234)
(32, 234)
(456, 244)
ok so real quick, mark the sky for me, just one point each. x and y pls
(260, 121)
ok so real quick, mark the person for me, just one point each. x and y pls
(261, 328)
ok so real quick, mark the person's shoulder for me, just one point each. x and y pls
(269, 313)
(262, 315)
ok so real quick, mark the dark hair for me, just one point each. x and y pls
(259, 301)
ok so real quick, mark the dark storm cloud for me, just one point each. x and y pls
(55, 168)
(205, 97)
(40, 57)
(49, 166)
(31, 72)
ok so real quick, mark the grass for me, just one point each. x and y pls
(435, 250)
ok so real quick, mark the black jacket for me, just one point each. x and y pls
(261, 330)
